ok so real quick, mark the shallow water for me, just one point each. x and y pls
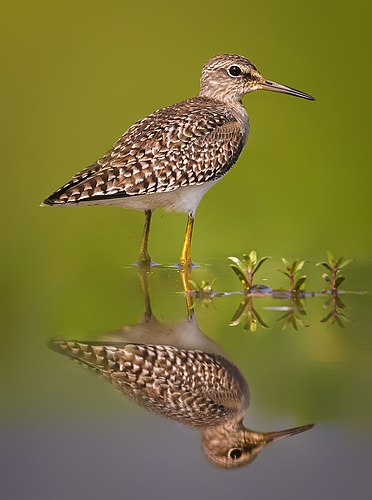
(73, 435)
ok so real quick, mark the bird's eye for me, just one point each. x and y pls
(234, 71)
(235, 453)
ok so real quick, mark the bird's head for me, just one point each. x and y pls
(231, 445)
(230, 76)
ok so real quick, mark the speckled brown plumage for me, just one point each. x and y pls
(171, 158)
(202, 390)
(187, 144)
(189, 386)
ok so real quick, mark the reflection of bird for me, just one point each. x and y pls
(175, 370)
(193, 387)
(171, 158)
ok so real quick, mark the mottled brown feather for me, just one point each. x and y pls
(186, 144)
(190, 386)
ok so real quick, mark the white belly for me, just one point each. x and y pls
(184, 199)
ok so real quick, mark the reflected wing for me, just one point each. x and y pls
(186, 144)
(192, 387)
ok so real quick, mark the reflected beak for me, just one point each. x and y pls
(273, 436)
(277, 87)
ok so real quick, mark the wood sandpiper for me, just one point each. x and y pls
(176, 371)
(171, 158)
(201, 390)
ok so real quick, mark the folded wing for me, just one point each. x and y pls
(186, 144)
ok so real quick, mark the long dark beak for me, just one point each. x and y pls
(273, 436)
(278, 87)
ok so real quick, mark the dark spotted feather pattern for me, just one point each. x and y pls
(190, 386)
(186, 144)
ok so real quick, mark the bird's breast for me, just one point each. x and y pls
(241, 115)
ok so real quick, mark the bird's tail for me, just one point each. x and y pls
(98, 357)
(71, 191)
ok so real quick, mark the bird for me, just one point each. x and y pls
(175, 370)
(172, 157)
(196, 388)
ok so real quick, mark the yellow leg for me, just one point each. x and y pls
(185, 259)
(185, 277)
(144, 257)
(144, 281)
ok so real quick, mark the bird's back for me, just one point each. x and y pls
(187, 144)
(190, 386)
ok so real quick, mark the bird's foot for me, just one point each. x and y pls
(186, 265)
(144, 261)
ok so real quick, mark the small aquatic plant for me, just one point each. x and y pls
(247, 268)
(292, 271)
(203, 291)
(294, 314)
(335, 316)
(333, 277)
(295, 292)
(247, 315)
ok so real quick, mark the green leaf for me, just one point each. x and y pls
(286, 263)
(259, 264)
(331, 258)
(259, 319)
(253, 256)
(246, 259)
(338, 321)
(339, 280)
(237, 262)
(300, 322)
(344, 318)
(326, 318)
(327, 303)
(240, 275)
(253, 325)
(339, 302)
(284, 272)
(235, 322)
(238, 267)
(345, 263)
(237, 316)
(338, 261)
(300, 283)
(327, 266)
(294, 265)
(284, 316)
(300, 265)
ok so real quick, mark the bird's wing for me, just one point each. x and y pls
(190, 386)
(186, 144)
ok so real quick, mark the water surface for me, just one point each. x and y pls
(73, 424)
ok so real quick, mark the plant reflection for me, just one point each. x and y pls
(247, 315)
(294, 312)
(335, 304)
(175, 370)
(334, 280)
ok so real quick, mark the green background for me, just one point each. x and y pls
(76, 75)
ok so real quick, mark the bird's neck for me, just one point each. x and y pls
(216, 93)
